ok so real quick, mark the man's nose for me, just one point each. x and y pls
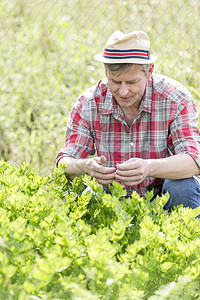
(123, 90)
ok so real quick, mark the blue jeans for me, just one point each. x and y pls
(182, 191)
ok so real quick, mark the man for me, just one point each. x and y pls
(143, 126)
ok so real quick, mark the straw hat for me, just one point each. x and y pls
(133, 47)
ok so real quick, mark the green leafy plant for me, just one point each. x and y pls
(70, 240)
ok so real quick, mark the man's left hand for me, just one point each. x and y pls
(132, 172)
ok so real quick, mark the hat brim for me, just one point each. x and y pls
(102, 59)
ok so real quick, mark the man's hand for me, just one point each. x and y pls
(94, 167)
(132, 172)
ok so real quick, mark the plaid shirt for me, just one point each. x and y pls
(167, 124)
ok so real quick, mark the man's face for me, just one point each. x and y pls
(128, 86)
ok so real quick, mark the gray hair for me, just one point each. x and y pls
(126, 66)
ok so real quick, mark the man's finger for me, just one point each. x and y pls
(129, 173)
(103, 171)
(102, 160)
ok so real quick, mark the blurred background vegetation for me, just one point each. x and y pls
(46, 61)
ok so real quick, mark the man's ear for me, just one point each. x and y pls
(150, 72)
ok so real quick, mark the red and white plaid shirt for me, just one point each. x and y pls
(167, 124)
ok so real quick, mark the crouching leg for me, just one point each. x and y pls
(182, 191)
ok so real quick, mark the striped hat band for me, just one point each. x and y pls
(126, 54)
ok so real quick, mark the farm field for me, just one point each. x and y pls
(73, 241)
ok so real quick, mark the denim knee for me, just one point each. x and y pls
(182, 191)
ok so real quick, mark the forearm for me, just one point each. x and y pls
(74, 167)
(174, 167)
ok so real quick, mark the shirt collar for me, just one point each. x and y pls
(108, 103)
(146, 103)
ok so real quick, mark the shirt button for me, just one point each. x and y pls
(132, 144)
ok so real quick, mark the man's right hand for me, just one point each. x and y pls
(94, 167)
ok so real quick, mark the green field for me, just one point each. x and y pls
(47, 50)
(75, 242)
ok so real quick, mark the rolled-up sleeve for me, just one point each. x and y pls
(79, 142)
